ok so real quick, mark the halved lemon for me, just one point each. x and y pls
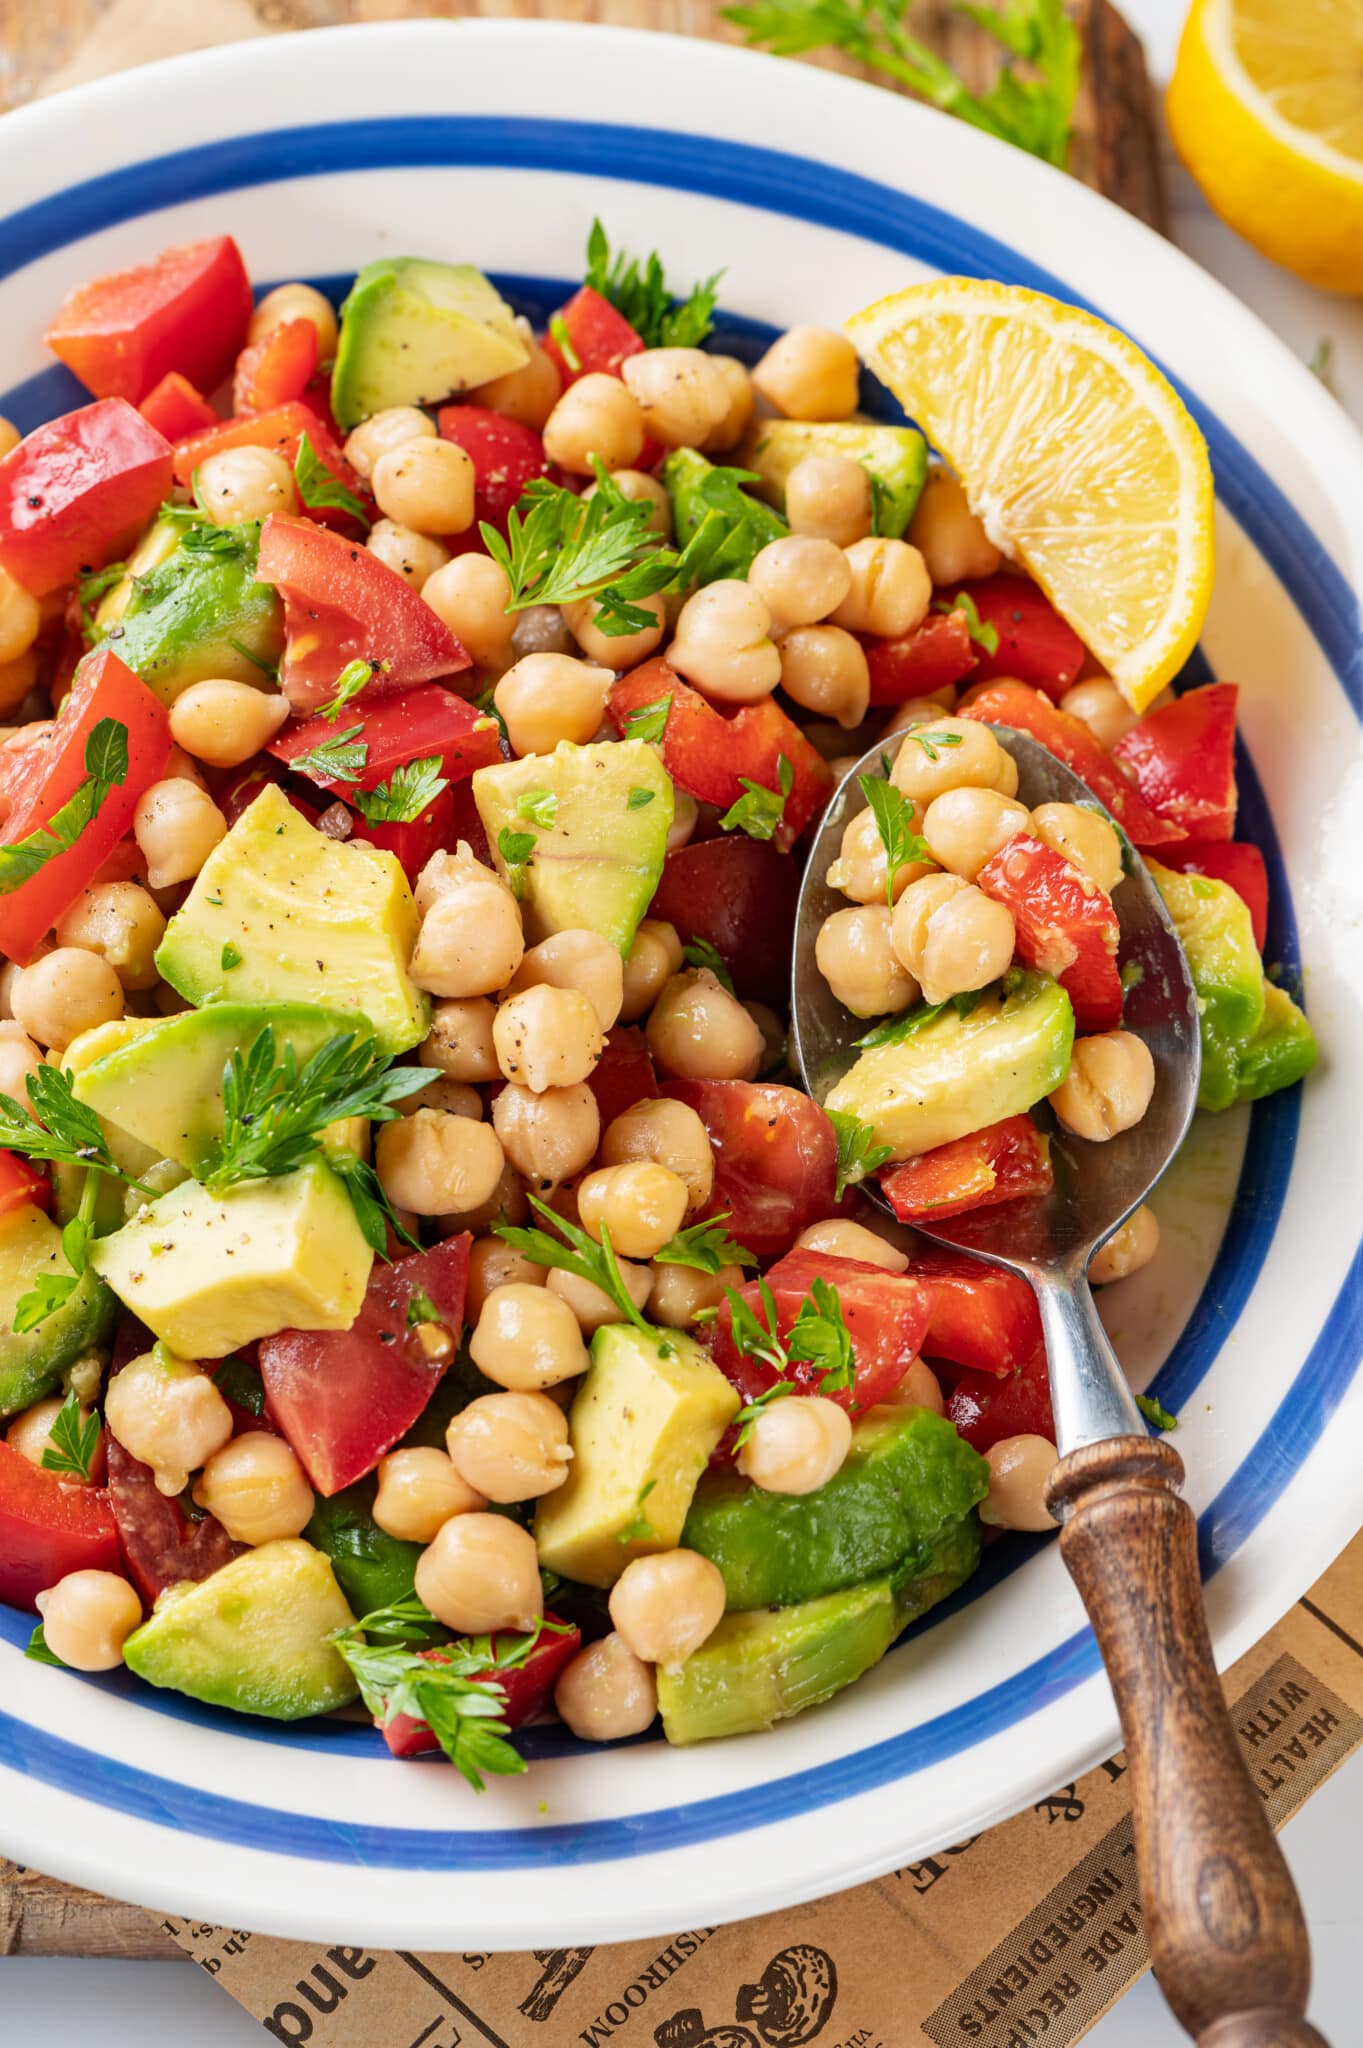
(1081, 459)
(1266, 109)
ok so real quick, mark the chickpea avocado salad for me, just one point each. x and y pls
(424, 1287)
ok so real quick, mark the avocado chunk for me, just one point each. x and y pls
(195, 608)
(32, 1362)
(700, 492)
(414, 332)
(373, 1569)
(164, 1084)
(762, 1667)
(895, 458)
(279, 913)
(595, 863)
(254, 1636)
(956, 1074)
(1281, 1051)
(209, 1273)
(907, 1474)
(1213, 922)
(646, 1418)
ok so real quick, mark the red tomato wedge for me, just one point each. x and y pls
(49, 1528)
(276, 369)
(50, 774)
(176, 409)
(986, 1410)
(22, 1184)
(1228, 860)
(1036, 646)
(161, 1544)
(776, 1158)
(187, 311)
(598, 337)
(886, 1315)
(1183, 759)
(1066, 926)
(342, 604)
(982, 1317)
(739, 894)
(1006, 1162)
(79, 490)
(414, 841)
(528, 1688)
(709, 754)
(1070, 740)
(505, 455)
(624, 1074)
(344, 1397)
(932, 657)
(419, 724)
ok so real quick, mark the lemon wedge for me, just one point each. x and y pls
(1080, 458)
(1266, 110)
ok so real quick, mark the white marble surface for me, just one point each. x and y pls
(162, 2005)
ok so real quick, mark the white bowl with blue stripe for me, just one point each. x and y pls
(497, 143)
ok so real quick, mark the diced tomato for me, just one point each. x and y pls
(505, 457)
(933, 656)
(176, 409)
(776, 1158)
(982, 1317)
(344, 1397)
(739, 894)
(161, 1544)
(886, 1315)
(710, 754)
(415, 841)
(343, 604)
(985, 1409)
(1228, 860)
(1036, 645)
(599, 337)
(1183, 759)
(276, 369)
(187, 311)
(1070, 740)
(422, 722)
(1066, 926)
(50, 774)
(1006, 1162)
(48, 1528)
(624, 1074)
(22, 1184)
(528, 1688)
(77, 491)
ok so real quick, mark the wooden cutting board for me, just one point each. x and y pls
(47, 43)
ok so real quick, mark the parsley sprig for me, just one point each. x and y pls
(700, 953)
(893, 1029)
(560, 548)
(818, 1337)
(858, 1152)
(574, 1252)
(894, 816)
(649, 722)
(106, 768)
(75, 1440)
(981, 632)
(1155, 1413)
(409, 790)
(639, 292)
(319, 489)
(932, 742)
(759, 811)
(706, 1246)
(342, 757)
(354, 677)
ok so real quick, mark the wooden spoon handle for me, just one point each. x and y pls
(1226, 1932)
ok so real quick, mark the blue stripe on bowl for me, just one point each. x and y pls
(790, 185)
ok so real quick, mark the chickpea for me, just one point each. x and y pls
(87, 1618)
(176, 826)
(679, 1294)
(638, 485)
(547, 1037)
(546, 698)
(19, 1057)
(121, 922)
(20, 618)
(480, 1574)
(527, 395)
(958, 753)
(683, 394)
(64, 993)
(653, 958)
(419, 1491)
(606, 1693)
(470, 942)
(17, 678)
(854, 954)
(797, 1445)
(810, 373)
(548, 1137)
(493, 1264)
(800, 579)
(426, 485)
(182, 767)
(256, 1488)
(828, 497)
(245, 483)
(597, 416)
(10, 437)
(1084, 839)
(861, 871)
(512, 1446)
(669, 1133)
(383, 431)
(1103, 709)
(580, 960)
(30, 1433)
(965, 828)
(506, 1204)
(616, 651)
(1019, 1467)
(641, 1204)
(437, 1164)
(952, 941)
(919, 1388)
(456, 1097)
(665, 1607)
(739, 409)
(470, 595)
(590, 1305)
(824, 670)
(459, 1042)
(920, 711)
(168, 1414)
(224, 722)
(840, 1238)
(296, 302)
(1128, 1249)
(527, 1339)
(950, 537)
(413, 556)
(1108, 1087)
(445, 873)
(722, 644)
(700, 1032)
(891, 588)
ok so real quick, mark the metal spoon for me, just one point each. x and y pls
(1226, 1932)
